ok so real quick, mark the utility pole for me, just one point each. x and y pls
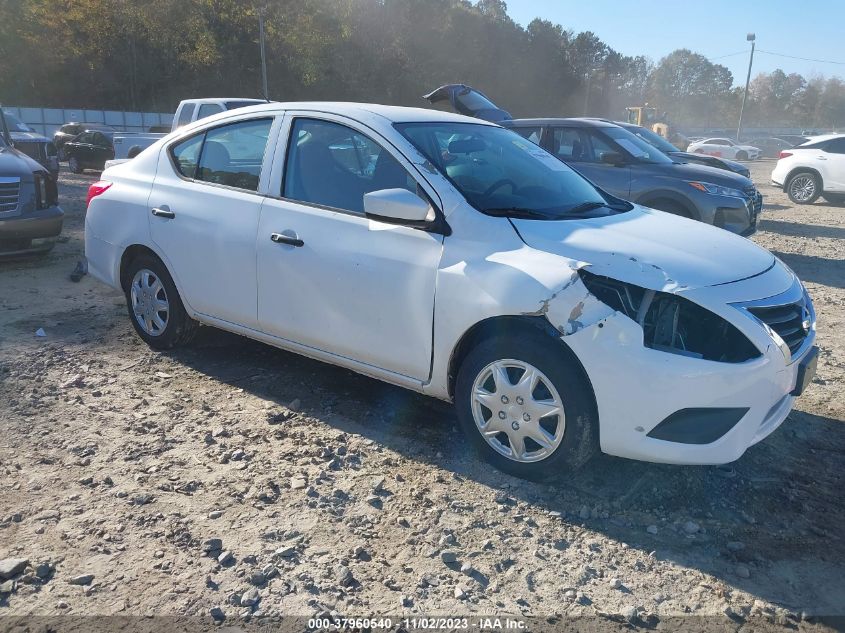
(587, 92)
(749, 38)
(263, 55)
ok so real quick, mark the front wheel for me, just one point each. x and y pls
(804, 188)
(742, 155)
(74, 165)
(526, 406)
(155, 308)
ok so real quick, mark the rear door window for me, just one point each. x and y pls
(186, 155)
(233, 154)
(836, 146)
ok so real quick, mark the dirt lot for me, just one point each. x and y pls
(328, 491)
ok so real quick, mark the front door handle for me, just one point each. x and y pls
(163, 213)
(281, 238)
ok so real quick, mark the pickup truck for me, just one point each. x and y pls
(129, 145)
(30, 216)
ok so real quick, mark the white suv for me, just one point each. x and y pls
(814, 169)
(455, 258)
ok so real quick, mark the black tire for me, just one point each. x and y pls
(74, 165)
(60, 154)
(580, 436)
(742, 155)
(834, 198)
(669, 206)
(133, 152)
(179, 328)
(804, 187)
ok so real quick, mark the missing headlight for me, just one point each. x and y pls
(671, 323)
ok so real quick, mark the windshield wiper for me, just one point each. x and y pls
(584, 207)
(518, 212)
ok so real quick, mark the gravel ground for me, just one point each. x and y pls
(233, 479)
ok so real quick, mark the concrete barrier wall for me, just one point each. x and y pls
(47, 120)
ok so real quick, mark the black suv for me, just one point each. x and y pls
(30, 217)
(625, 165)
(89, 150)
(70, 131)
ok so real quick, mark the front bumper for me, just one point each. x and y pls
(34, 232)
(637, 388)
(737, 215)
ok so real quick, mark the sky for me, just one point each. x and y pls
(715, 28)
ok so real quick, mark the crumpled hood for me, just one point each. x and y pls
(651, 249)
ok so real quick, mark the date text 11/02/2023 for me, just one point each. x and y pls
(419, 623)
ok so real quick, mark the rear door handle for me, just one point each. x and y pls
(163, 213)
(820, 158)
(281, 238)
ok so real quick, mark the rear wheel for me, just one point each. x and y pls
(74, 165)
(804, 188)
(526, 406)
(154, 305)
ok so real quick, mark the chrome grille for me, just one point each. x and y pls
(10, 189)
(788, 321)
(755, 202)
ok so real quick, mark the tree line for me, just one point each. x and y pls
(150, 54)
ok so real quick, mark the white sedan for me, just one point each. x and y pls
(724, 148)
(455, 258)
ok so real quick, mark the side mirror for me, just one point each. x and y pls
(613, 158)
(397, 206)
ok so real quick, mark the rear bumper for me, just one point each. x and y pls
(34, 232)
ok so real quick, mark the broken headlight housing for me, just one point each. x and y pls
(673, 324)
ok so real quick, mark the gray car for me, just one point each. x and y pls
(30, 216)
(625, 166)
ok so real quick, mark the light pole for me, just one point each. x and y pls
(263, 56)
(749, 38)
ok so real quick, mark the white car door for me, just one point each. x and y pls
(330, 278)
(831, 161)
(204, 211)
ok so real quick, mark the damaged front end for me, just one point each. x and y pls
(671, 323)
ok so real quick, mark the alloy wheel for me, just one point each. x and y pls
(149, 302)
(517, 410)
(802, 188)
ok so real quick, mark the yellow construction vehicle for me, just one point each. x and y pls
(649, 118)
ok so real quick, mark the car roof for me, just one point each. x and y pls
(216, 99)
(562, 121)
(822, 137)
(394, 114)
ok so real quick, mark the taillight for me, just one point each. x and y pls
(101, 186)
(784, 155)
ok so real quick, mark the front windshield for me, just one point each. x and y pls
(15, 124)
(501, 173)
(641, 150)
(653, 138)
